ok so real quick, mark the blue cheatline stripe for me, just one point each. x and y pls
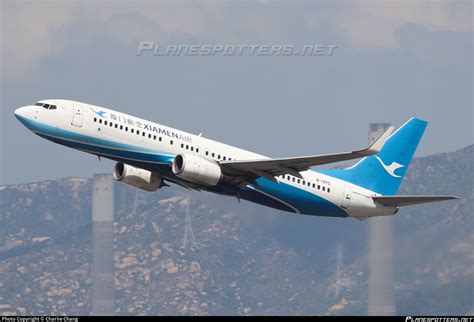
(41, 128)
(306, 202)
(95, 145)
(265, 199)
(278, 200)
(135, 156)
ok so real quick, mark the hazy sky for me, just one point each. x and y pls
(393, 60)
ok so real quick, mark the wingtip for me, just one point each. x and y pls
(380, 142)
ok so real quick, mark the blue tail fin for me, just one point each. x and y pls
(384, 171)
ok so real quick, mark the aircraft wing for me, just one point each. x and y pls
(399, 201)
(269, 168)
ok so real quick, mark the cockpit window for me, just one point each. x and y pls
(46, 106)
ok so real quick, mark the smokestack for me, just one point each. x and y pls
(103, 301)
(338, 268)
(381, 299)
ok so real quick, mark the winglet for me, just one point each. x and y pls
(378, 144)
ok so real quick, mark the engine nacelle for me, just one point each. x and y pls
(138, 178)
(196, 169)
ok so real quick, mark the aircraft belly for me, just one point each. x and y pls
(298, 200)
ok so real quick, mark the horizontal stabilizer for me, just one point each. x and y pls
(399, 201)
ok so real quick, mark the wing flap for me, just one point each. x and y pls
(399, 201)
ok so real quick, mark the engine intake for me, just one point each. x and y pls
(196, 169)
(136, 177)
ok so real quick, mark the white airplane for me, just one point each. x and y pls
(149, 155)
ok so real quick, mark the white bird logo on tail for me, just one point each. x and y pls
(390, 168)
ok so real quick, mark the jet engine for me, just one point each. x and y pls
(136, 177)
(196, 169)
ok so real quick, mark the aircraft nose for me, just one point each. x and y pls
(21, 112)
(25, 115)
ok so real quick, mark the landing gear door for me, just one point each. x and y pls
(77, 116)
(346, 198)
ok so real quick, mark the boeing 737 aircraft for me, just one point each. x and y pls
(150, 155)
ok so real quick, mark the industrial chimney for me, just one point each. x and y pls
(381, 299)
(103, 301)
